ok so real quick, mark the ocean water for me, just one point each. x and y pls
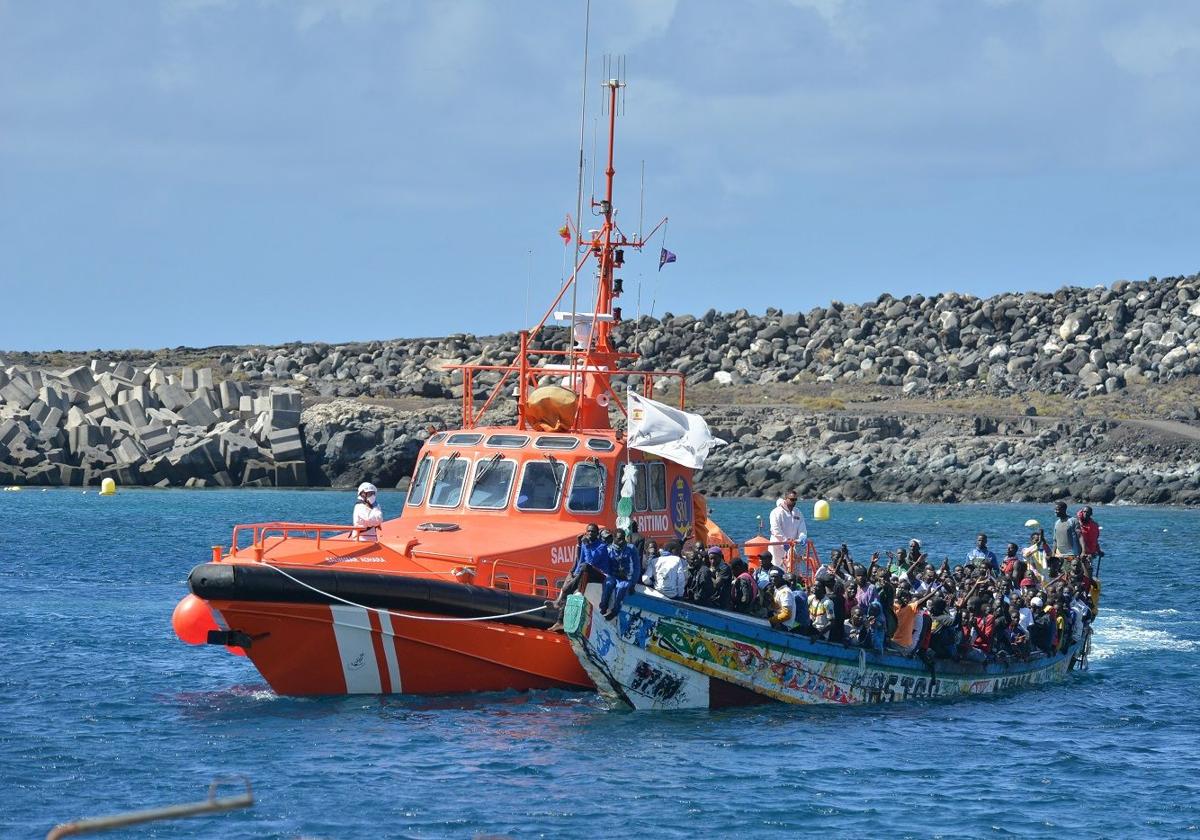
(103, 710)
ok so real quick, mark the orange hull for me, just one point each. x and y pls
(314, 649)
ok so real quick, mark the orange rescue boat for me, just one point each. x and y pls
(452, 597)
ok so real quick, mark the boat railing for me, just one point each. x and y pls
(527, 579)
(803, 566)
(527, 374)
(260, 531)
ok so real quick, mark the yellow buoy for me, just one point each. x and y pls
(108, 487)
(820, 510)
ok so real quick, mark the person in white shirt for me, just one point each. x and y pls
(670, 572)
(367, 513)
(788, 526)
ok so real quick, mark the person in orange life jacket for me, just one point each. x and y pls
(367, 514)
(624, 571)
(1089, 533)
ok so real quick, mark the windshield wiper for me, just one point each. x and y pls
(441, 470)
(554, 472)
(487, 467)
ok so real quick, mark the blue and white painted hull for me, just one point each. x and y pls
(663, 654)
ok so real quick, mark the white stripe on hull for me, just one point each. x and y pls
(389, 651)
(352, 630)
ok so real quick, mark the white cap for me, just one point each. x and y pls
(367, 487)
(1037, 602)
(1032, 523)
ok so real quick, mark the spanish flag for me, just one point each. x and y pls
(565, 233)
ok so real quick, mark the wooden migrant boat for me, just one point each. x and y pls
(658, 653)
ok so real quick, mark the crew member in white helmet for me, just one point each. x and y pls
(788, 527)
(367, 513)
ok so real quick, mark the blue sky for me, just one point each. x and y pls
(203, 172)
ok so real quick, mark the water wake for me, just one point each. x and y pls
(1118, 633)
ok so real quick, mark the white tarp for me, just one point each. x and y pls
(669, 433)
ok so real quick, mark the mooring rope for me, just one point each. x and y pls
(348, 602)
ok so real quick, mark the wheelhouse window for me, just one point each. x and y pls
(600, 444)
(541, 485)
(587, 488)
(493, 480)
(556, 442)
(650, 489)
(464, 439)
(508, 441)
(448, 482)
(439, 436)
(416, 491)
(656, 485)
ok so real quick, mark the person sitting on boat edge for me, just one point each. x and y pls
(591, 552)
(367, 513)
(670, 572)
(624, 570)
(788, 530)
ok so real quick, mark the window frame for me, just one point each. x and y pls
(662, 470)
(417, 501)
(461, 485)
(508, 491)
(562, 486)
(523, 438)
(464, 439)
(578, 467)
(540, 443)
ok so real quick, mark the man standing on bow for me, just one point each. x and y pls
(789, 531)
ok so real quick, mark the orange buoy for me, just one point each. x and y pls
(192, 620)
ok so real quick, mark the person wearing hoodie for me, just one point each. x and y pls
(789, 531)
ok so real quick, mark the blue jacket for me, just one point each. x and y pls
(594, 554)
(625, 564)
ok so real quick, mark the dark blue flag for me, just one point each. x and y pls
(665, 257)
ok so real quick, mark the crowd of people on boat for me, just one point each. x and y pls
(1031, 602)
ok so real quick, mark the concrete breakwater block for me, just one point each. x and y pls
(147, 426)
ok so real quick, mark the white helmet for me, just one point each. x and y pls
(367, 487)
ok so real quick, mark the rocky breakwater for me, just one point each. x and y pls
(149, 426)
(1075, 341)
(935, 458)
